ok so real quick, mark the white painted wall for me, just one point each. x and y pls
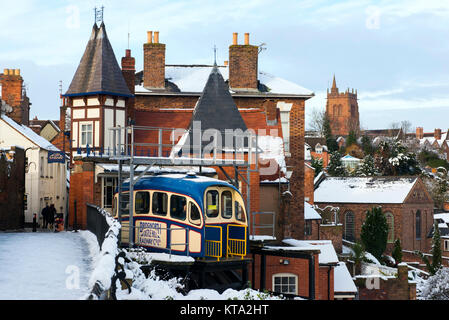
(52, 184)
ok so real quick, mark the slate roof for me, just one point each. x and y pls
(98, 71)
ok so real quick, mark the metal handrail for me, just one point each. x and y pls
(216, 242)
(263, 226)
(230, 251)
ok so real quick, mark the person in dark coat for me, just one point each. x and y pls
(51, 215)
(44, 214)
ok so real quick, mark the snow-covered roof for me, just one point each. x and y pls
(343, 282)
(364, 189)
(310, 213)
(350, 158)
(193, 78)
(307, 155)
(327, 252)
(30, 134)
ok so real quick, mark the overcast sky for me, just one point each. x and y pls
(395, 53)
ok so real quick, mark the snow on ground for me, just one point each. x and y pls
(44, 266)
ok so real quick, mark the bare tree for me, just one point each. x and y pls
(316, 122)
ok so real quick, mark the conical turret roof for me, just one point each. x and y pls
(217, 110)
(98, 71)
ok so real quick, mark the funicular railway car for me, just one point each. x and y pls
(186, 215)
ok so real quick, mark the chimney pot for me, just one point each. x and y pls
(6, 71)
(149, 36)
(246, 38)
(234, 38)
(128, 53)
(156, 36)
(226, 62)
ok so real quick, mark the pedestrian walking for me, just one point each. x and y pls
(44, 214)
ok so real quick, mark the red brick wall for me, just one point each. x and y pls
(333, 233)
(154, 65)
(296, 266)
(83, 190)
(391, 289)
(243, 61)
(309, 176)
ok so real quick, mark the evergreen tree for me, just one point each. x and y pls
(336, 167)
(367, 146)
(397, 251)
(352, 138)
(436, 263)
(367, 167)
(331, 143)
(317, 164)
(375, 232)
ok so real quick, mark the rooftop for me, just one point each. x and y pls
(364, 189)
(191, 79)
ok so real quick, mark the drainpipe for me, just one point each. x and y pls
(312, 277)
(262, 271)
(329, 283)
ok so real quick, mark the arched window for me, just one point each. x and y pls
(418, 224)
(390, 221)
(349, 226)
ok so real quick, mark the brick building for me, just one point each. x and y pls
(404, 200)
(12, 188)
(343, 111)
(234, 96)
(437, 141)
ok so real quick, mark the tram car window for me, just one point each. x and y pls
(239, 215)
(195, 216)
(226, 204)
(178, 207)
(142, 202)
(212, 204)
(160, 201)
(124, 204)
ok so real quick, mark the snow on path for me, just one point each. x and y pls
(44, 266)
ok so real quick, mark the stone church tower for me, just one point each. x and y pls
(343, 111)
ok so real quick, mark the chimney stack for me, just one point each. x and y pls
(243, 65)
(154, 62)
(419, 133)
(437, 134)
(129, 74)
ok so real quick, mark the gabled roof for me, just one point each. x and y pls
(98, 71)
(364, 189)
(29, 134)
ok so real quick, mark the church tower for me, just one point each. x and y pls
(343, 110)
(97, 96)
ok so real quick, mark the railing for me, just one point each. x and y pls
(177, 145)
(214, 247)
(257, 226)
(236, 246)
(96, 223)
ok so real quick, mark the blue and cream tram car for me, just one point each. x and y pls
(186, 215)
